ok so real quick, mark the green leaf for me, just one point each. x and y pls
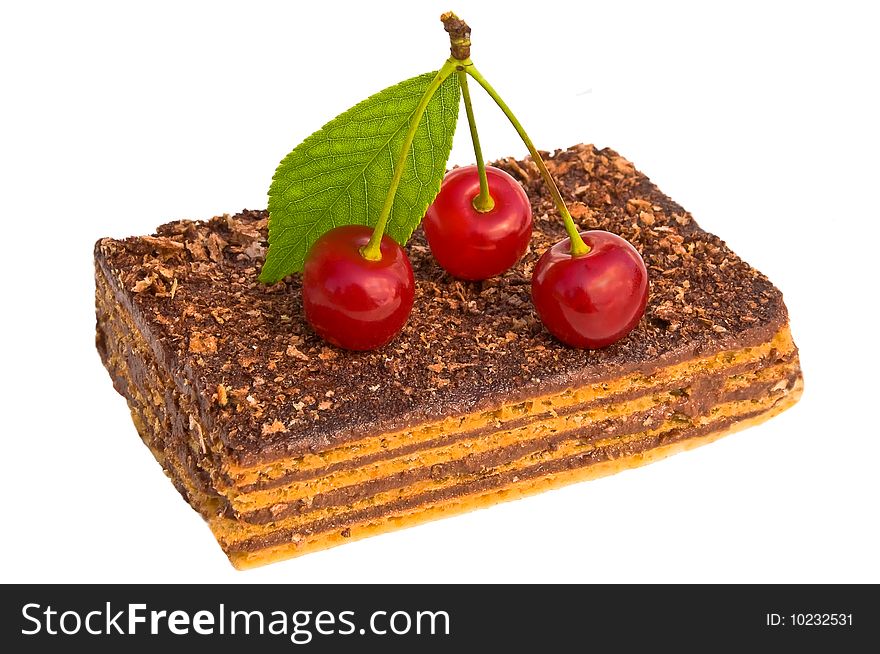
(340, 174)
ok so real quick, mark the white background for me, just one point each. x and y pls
(761, 119)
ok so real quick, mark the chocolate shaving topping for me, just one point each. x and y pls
(269, 387)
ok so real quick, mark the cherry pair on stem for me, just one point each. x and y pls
(589, 290)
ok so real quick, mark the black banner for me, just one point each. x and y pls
(421, 618)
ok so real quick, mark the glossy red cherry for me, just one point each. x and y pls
(350, 301)
(470, 244)
(595, 299)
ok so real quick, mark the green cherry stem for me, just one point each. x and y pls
(578, 247)
(482, 202)
(371, 250)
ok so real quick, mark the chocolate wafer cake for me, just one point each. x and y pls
(287, 445)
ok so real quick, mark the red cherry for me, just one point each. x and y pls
(470, 244)
(594, 299)
(350, 301)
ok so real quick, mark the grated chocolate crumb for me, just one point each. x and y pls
(467, 346)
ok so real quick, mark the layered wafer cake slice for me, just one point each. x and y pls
(287, 445)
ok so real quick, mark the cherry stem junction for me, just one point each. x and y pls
(371, 251)
(460, 63)
(578, 247)
(482, 202)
